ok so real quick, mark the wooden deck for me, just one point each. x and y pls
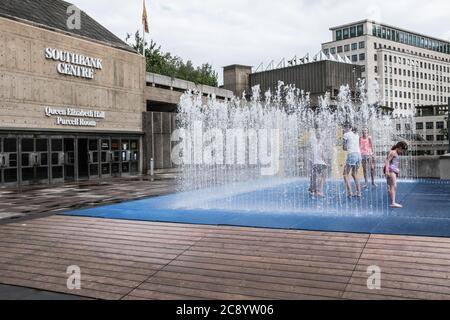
(144, 260)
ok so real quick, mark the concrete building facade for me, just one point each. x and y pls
(71, 106)
(315, 78)
(406, 68)
(78, 104)
(431, 126)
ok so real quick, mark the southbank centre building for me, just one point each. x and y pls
(77, 103)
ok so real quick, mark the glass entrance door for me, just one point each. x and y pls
(93, 158)
(34, 160)
(8, 162)
(83, 158)
(115, 157)
(69, 159)
(105, 157)
(125, 156)
(57, 160)
(134, 161)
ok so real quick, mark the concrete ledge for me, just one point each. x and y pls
(444, 167)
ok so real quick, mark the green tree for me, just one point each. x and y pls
(165, 63)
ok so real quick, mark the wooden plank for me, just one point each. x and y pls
(327, 281)
(412, 272)
(257, 266)
(139, 294)
(370, 261)
(296, 273)
(402, 292)
(44, 282)
(31, 236)
(178, 261)
(240, 280)
(216, 229)
(76, 246)
(329, 256)
(60, 288)
(87, 275)
(441, 285)
(254, 260)
(76, 257)
(235, 292)
(117, 274)
(188, 239)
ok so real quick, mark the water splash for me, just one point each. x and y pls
(205, 163)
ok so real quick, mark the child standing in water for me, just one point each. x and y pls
(392, 171)
(353, 162)
(320, 167)
(368, 157)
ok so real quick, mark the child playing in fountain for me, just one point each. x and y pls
(353, 162)
(319, 169)
(392, 171)
(368, 157)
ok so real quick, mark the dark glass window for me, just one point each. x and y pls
(57, 145)
(93, 145)
(360, 30)
(338, 35)
(345, 34)
(10, 145)
(353, 32)
(27, 145)
(41, 145)
(55, 159)
(25, 160)
(105, 145)
(115, 145)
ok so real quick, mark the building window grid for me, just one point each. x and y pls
(410, 39)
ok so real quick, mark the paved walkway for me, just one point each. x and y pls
(145, 260)
(46, 200)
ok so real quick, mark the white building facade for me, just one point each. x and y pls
(407, 69)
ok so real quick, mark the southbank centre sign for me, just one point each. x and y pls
(74, 64)
(75, 117)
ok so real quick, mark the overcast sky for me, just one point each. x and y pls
(249, 32)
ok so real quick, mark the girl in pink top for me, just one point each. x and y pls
(368, 157)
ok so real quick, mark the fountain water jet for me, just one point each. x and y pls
(222, 145)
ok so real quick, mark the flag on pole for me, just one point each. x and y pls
(145, 19)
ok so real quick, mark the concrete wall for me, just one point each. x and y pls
(158, 127)
(428, 167)
(315, 78)
(236, 78)
(444, 167)
(180, 85)
(29, 82)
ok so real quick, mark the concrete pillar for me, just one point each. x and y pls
(236, 78)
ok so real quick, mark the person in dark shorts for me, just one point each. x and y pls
(353, 162)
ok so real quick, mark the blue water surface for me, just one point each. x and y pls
(426, 209)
